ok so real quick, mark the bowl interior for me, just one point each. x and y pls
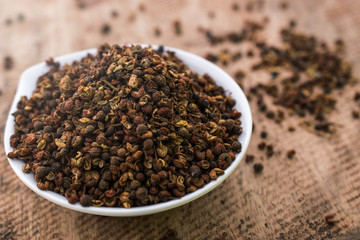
(27, 84)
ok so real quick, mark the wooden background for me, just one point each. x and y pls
(289, 200)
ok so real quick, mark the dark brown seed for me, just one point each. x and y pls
(263, 134)
(157, 32)
(114, 14)
(258, 167)
(249, 158)
(164, 196)
(121, 152)
(140, 176)
(141, 129)
(148, 144)
(195, 171)
(8, 21)
(48, 129)
(8, 63)
(41, 172)
(95, 152)
(236, 147)
(142, 7)
(183, 132)
(355, 114)
(357, 96)
(290, 154)
(292, 23)
(270, 115)
(105, 29)
(250, 53)
(135, 184)
(262, 145)
(103, 185)
(56, 167)
(177, 27)
(105, 156)
(21, 17)
(219, 148)
(89, 129)
(269, 150)
(291, 129)
(284, 5)
(235, 7)
(141, 193)
(225, 157)
(85, 200)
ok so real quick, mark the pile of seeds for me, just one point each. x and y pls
(128, 127)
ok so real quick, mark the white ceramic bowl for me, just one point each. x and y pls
(27, 84)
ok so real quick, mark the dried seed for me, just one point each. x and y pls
(258, 167)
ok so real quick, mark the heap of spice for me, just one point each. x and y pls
(128, 127)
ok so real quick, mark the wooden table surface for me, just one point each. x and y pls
(288, 200)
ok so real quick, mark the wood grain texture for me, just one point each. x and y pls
(287, 201)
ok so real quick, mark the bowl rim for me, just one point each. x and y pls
(56, 198)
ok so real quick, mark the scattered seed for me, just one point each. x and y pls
(284, 5)
(81, 5)
(269, 151)
(355, 114)
(249, 158)
(258, 167)
(357, 96)
(105, 29)
(236, 56)
(8, 21)
(8, 63)
(270, 114)
(21, 17)
(263, 134)
(114, 14)
(261, 146)
(157, 32)
(177, 27)
(291, 129)
(250, 53)
(235, 7)
(142, 7)
(290, 154)
(292, 23)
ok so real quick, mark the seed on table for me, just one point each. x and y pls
(249, 158)
(291, 153)
(258, 167)
(355, 114)
(261, 145)
(8, 63)
(263, 134)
